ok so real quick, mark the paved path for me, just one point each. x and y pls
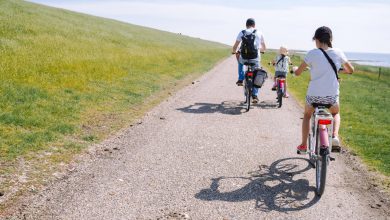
(198, 155)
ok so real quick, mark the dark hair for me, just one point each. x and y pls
(324, 35)
(250, 22)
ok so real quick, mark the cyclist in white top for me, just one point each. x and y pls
(258, 44)
(281, 63)
(324, 85)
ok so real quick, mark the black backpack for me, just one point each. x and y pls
(248, 48)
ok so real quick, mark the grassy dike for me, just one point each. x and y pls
(68, 80)
(365, 103)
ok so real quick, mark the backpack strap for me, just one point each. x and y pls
(244, 32)
(282, 58)
(331, 63)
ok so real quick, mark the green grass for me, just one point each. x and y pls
(63, 75)
(364, 102)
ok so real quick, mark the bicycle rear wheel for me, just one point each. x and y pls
(321, 165)
(280, 97)
(321, 170)
(248, 94)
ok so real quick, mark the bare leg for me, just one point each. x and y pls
(335, 110)
(285, 86)
(306, 123)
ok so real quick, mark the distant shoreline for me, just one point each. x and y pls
(369, 59)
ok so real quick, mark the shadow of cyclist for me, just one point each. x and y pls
(271, 187)
(226, 107)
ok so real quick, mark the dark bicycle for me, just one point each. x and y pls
(248, 83)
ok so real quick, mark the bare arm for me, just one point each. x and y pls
(348, 68)
(235, 46)
(263, 47)
(300, 69)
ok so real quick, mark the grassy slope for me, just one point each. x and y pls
(364, 104)
(59, 69)
(69, 79)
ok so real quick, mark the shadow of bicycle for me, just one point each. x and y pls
(273, 187)
(226, 107)
(268, 104)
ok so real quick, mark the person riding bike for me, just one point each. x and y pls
(281, 63)
(251, 41)
(324, 85)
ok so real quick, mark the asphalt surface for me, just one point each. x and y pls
(199, 155)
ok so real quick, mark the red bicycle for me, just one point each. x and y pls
(280, 89)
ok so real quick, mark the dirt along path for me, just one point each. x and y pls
(199, 155)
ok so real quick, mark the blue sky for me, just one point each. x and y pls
(358, 26)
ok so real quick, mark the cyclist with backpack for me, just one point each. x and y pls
(251, 41)
(281, 63)
(324, 62)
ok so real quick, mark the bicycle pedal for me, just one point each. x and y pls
(336, 149)
(300, 152)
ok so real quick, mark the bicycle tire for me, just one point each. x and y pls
(280, 98)
(321, 166)
(248, 99)
(321, 170)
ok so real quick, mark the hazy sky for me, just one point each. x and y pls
(358, 25)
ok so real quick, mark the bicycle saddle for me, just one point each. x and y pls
(249, 64)
(320, 105)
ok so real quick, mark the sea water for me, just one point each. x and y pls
(372, 59)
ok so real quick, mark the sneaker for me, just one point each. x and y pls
(274, 88)
(335, 141)
(302, 149)
(336, 144)
(239, 83)
(286, 95)
(255, 99)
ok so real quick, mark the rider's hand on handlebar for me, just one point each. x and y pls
(294, 68)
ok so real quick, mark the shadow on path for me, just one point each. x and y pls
(268, 104)
(226, 107)
(271, 187)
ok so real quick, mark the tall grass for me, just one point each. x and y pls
(364, 104)
(64, 74)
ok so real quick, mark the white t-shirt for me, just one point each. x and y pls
(323, 78)
(258, 40)
(282, 66)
